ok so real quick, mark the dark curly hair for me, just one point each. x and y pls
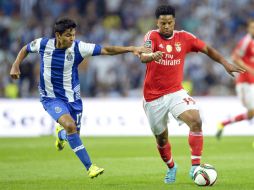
(165, 10)
(63, 24)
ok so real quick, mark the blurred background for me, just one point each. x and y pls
(118, 22)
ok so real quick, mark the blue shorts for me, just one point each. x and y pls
(57, 107)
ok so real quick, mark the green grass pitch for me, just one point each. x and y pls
(131, 163)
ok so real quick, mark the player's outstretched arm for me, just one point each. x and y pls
(114, 50)
(15, 71)
(216, 56)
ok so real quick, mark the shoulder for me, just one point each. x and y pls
(243, 44)
(185, 34)
(37, 44)
(43, 41)
(246, 39)
(82, 43)
(152, 34)
(76, 42)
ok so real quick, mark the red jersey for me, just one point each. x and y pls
(245, 50)
(165, 76)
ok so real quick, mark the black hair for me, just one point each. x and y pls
(165, 10)
(63, 24)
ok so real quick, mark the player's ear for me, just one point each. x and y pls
(157, 23)
(57, 34)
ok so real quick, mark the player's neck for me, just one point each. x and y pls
(166, 36)
(58, 45)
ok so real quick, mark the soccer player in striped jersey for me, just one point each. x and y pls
(243, 55)
(163, 91)
(59, 85)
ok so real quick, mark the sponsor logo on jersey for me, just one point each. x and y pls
(169, 62)
(178, 46)
(169, 48)
(58, 109)
(148, 44)
(69, 56)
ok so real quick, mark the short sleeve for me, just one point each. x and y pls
(194, 44)
(89, 49)
(34, 46)
(149, 40)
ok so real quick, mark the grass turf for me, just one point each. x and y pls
(131, 163)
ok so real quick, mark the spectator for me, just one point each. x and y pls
(121, 22)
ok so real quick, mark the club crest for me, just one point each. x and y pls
(58, 109)
(178, 46)
(69, 56)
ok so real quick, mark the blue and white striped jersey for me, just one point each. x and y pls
(59, 67)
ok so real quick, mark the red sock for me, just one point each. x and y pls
(196, 146)
(237, 118)
(165, 153)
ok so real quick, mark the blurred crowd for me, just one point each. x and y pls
(119, 22)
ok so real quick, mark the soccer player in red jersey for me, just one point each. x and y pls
(243, 55)
(163, 92)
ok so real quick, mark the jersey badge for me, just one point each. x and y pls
(169, 48)
(178, 46)
(148, 44)
(58, 109)
(33, 43)
(69, 56)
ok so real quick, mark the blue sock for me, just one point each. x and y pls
(62, 135)
(79, 149)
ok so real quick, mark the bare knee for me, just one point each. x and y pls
(70, 127)
(195, 124)
(250, 114)
(162, 139)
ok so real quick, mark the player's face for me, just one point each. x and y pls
(67, 38)
(251, 28)
(166, 24)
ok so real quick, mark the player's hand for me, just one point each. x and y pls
(157, 55)
(139, 50)
(230, 68)
(15, 72)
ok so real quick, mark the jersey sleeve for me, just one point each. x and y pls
(34, 46)
(89, 49)
(194, 44)
(149, 40)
